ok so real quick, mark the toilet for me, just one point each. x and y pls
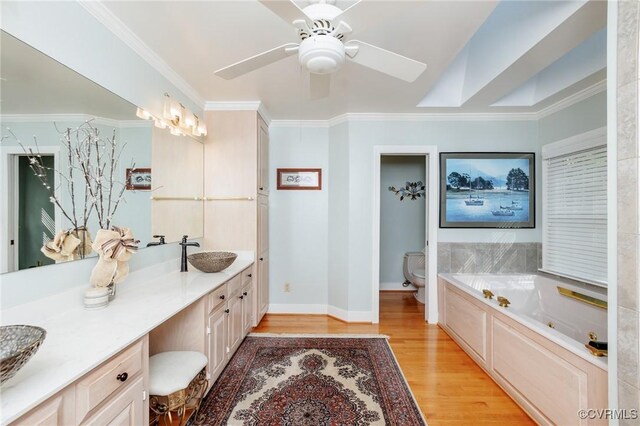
(414, 269)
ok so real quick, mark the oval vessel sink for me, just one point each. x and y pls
(212, 261)
(18, 343)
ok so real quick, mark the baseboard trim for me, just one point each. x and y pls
(395, 286)
(317, 309)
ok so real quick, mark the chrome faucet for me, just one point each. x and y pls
(185, 244)
(157, 243)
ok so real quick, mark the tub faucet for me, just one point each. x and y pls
(503, 301)
(185, 244)
(157, 243)
(487, 294)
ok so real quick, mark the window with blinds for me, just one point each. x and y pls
(575, 211)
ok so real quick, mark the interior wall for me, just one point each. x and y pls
(401, 222)
(299, 222)
(589, 114)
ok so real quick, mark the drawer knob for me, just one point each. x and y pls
(262, 188)
(244, 294)
(262, 258)
(222, 296)
(122, 376)
(249, 275)
(226, 311)
(241, 297)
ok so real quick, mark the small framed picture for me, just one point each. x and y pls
(300, 179)
(139, 179)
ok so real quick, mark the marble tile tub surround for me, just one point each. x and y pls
(628, 235)
(17, 288)
(499, 258)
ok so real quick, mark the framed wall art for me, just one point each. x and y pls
(299, 179)
(138, 179)
(487, 190)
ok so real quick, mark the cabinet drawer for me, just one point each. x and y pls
(107, 379)
(247, 276)
(234, 285)
(217, 297)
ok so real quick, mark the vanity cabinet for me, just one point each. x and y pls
(112, 393)
(217, 342)
(236, 159)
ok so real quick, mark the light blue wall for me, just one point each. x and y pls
(299, 220)
(338, 185)
(581, 117)
(401, 222)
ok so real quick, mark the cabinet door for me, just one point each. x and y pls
(234, 323)
(263, 157)
(125, 409)
(263, 285)
(247, 309)
(217, 343)
(263, 224)
(57, 411)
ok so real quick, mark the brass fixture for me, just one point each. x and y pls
(487, 294)
(551, 325)
(593, 337)
(503, 301)
(582, 297)
(595, 351)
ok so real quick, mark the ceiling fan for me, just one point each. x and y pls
(324, 46)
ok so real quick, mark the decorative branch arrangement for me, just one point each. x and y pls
(412, 190)
(96, 159)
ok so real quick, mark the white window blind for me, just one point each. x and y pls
(575, 214)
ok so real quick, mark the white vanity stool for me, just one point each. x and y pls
(177, 383)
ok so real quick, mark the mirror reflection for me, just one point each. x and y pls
(75, 158)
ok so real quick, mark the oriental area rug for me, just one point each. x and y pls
(304, 380)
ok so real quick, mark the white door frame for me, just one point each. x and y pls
(8, 260)
(431, 225)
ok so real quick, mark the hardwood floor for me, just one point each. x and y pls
(449, 387)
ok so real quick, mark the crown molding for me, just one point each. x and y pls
(453, 116)
(84, 118)
(573, 99)
(240, 106)
(99, 11)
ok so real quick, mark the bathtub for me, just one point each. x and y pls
(534, 349)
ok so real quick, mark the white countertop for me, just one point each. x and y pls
(79, 340)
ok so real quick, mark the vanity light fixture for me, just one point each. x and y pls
(177, 118)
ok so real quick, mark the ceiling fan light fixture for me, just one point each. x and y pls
(321, 54)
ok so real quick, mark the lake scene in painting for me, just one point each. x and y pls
(487, 190)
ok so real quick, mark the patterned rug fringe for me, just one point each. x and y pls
(395, 358)
(320, 336)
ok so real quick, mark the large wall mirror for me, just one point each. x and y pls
(153, 177)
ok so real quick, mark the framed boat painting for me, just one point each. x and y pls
(487, 190)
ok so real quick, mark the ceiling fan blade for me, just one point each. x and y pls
(319, 85)
(382, 60)
(287, 10)
(257, 61)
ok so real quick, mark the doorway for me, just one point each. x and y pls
(427, 154)
(27, 216)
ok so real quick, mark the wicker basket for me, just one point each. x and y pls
(18, 343)
(212, 261)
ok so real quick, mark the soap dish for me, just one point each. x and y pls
(96, 298)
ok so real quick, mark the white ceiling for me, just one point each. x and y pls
(197, 37)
